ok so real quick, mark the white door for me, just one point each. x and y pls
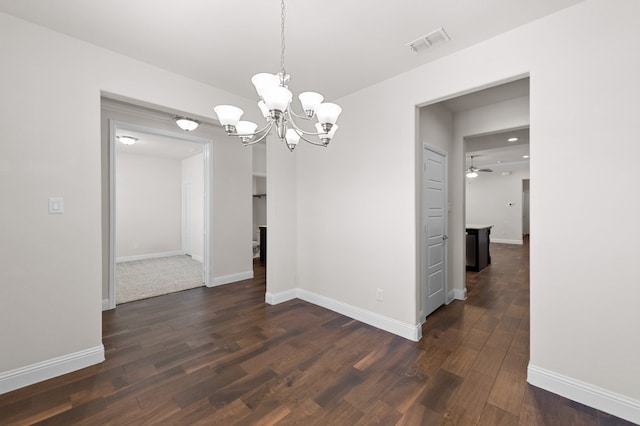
(434, 285)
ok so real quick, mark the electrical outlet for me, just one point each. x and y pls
(379, 294)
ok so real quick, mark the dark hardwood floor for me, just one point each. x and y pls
(222, 356)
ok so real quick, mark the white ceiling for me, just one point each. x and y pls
(495, 152)
(334, 47)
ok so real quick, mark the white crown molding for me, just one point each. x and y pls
(232, 278)
(34, 373)
(408, 331)
(585, 393)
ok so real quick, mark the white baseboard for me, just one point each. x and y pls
(408, 331)
(34, 373)
(283, 296)
(106, 305)
(149, 256)
(232, 278)
(505, 241)
(197, 258)
(585, 393)
(457, 294)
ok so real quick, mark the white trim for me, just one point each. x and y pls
(34, 373)
(408, 331)
(197, 258)
(457, 294)
(232, 278)
(149, 256)
(106, 305)
(207, 149)
(502, 241)
(585, 393)
(283, 296)
(186, 221)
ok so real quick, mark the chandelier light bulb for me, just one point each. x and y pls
(292, 138)
(310, 101)
(246, 128)
(277, 98)
(228, 115)
(264, 110)
(328, 113)
(472, 175)
(263, 81)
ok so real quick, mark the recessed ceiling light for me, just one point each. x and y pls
(525, 156)
(512, 140)
(127, 140)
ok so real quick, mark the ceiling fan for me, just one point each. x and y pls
(472, 172)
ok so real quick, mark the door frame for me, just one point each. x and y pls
(207, 150)
(421, 237)
(186, 217)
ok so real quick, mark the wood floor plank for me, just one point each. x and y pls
(221, 355)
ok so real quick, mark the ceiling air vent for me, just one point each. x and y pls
(428, 41)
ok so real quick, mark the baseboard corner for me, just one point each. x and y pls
(283, 296)
(231, 278)
(585, 393)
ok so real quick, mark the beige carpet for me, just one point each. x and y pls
(152, 277)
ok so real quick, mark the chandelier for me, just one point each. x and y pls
(276, 108)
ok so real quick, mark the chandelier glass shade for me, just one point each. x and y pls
(275, 104)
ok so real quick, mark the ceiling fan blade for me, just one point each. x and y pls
(484, 170)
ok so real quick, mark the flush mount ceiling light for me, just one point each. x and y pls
(186, 124)
(127, 140)
(276, 108)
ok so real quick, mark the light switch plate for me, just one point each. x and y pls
(56, 205)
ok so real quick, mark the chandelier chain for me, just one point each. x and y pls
(282, 43)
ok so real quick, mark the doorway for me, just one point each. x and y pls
(449, 125)
(172, 171)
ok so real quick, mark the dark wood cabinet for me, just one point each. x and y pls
(478, 240)
(263, 243)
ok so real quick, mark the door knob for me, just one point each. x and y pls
(444, 237)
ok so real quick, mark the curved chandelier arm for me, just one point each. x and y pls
(301, 131)
(266, 129)
(293, 113)
(309, 141)
(244, 138)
